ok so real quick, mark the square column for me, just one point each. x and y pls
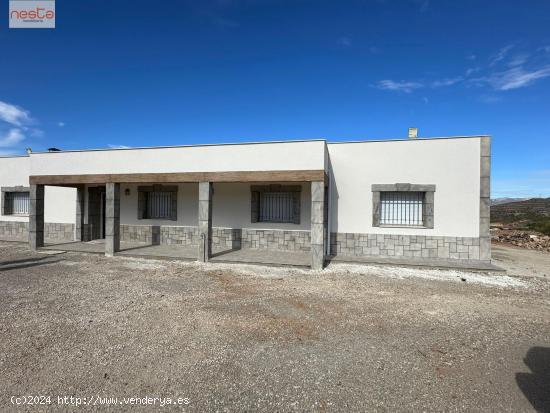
(112, 218)
(485, 200)
(205, 221)
(317, 225)
(79, 218)
(36, 216)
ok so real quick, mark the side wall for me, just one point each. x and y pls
(452, 165)
(59, 207)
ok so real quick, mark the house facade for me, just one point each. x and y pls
(421, 200)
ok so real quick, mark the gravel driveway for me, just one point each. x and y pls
(241, 338)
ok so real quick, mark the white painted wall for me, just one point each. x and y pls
(14, 172)
(60, 203)
(231, 207)
(188, 210)
(453, 165)
(307, 155)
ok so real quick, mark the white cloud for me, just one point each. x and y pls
(489, 99)
(518, 60)
(515, 78)
(400, 86)
(11, 138)
(447, 82)
(500, 55)
(13, 115)
(118, 146)
(60, 124)
(505, 71)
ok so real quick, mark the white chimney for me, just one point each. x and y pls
(413, 133)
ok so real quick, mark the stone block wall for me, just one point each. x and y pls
(160, 234)
(276, 239)
(58, 232)
(226, 238)
(14, 231)
(179, 235)
(222, 238)
(19, 231)
(405, 246)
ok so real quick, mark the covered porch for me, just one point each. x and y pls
(210, 202)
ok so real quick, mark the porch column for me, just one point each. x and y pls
(79, 219)
(112, 218)
(36, 216)
(317, 225)
(205, 221)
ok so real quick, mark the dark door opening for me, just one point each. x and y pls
(96, 212)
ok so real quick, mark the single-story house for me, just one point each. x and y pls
(417, 199)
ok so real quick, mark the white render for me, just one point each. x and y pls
(299, 155)
(59, 202)
(451, 164)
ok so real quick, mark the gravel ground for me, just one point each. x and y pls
(244, 338)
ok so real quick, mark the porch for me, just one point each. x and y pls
(205, 220)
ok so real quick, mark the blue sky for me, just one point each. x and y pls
(166, 73)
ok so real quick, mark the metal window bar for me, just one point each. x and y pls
(17, 203)
(401, 208)
(276, 207)
(158, 205)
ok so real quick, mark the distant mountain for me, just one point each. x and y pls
(525, 209)
(498, 201)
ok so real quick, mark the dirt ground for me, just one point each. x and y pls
(244, 338)
(520, 261)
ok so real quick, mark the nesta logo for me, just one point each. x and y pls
(39, 13)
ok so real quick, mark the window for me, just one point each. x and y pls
(276, 207)
(158, 205)
(401, 208)
(403, 205)
(15, 203)
(275, 203)
(157, 202)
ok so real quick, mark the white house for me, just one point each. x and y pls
(418, 200)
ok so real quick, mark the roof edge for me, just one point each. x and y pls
(412, 140)
(183, 146)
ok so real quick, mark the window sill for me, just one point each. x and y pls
(403, 226)
(16, 215)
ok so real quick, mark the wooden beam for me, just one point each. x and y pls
(178, 177)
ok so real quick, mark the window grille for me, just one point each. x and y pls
(276, 207)
(401, 208)
(17, 203)
(159, 205)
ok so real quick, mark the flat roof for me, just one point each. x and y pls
(253, 143)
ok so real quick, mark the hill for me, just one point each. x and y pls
(533, 214)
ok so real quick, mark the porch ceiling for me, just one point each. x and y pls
(179, 177)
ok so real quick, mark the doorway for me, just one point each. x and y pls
(96, 212)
